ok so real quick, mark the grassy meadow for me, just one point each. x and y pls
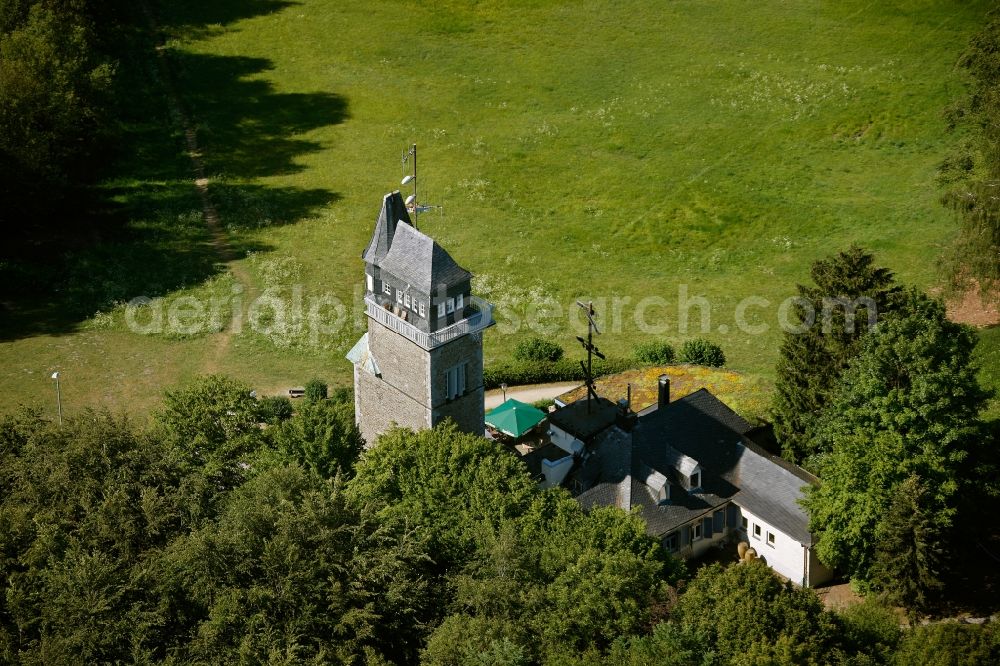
(580, 150)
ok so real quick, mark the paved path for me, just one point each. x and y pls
(529, 393)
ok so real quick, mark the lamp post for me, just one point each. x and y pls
(55, 376)
(503, 387)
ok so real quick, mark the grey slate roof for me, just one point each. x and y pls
(702, 427)
(404, 252)
(618, 469)
(420, 261)
(393, 212)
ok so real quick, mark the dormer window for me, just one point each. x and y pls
(663, 497)
(696, 480)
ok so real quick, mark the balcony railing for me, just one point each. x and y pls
(480, 318)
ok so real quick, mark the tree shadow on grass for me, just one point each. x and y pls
(245, 128)
(198, 19)
(141, 233)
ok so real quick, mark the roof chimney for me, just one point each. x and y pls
(663, 393)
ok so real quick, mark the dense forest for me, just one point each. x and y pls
(62, 97)
(233, 530)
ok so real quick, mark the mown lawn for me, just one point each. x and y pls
(580, 150)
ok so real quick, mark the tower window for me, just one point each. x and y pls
(406, 300)
(451, 305)
(460, 301)
(456, 377)
(440, 310)
(370, 282)
(387, 288)
(399, 296)
(422, 309)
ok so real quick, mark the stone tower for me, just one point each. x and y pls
(421, 360)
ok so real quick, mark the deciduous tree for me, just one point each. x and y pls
(908, 405)
(849, 289)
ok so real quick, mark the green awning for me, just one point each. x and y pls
(514, 417)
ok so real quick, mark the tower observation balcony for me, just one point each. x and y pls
(480, 317)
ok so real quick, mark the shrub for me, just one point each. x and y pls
(343, 394)
(316, 389)
(537, 349)
(515, 373)
(275, 408)
(656, 352)
(951, 644)
(702, 352)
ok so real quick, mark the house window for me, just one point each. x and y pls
(460, 301)
(696, 480)
(451, 305)
(756, 531)
(670, 542)
(387, 288)
(406, 300)
(440, 310)
(456, 380)
(399, 296)
(695, 531)
(743, 520)
(370, 281)
(422, 309)
(770, 539)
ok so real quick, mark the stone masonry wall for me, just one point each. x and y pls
(401, 395)
(412, 391)
(466, 410)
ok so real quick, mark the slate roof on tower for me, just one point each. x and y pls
(418, 259)
(404, 252)
(393, 212)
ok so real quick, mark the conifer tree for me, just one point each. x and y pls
(908, 405)
(850, 291)
(908, 555)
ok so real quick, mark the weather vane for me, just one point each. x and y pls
(592, 351)
(412, 205)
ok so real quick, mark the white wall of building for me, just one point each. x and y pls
(555, 471)
(564, 440)
(819, 573)
(784, 554)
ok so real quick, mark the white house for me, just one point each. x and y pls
(696, 478)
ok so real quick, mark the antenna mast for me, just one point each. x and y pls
(592, 351)
(412, 204)
(411, 201)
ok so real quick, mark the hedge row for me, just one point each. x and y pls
(515, 373)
